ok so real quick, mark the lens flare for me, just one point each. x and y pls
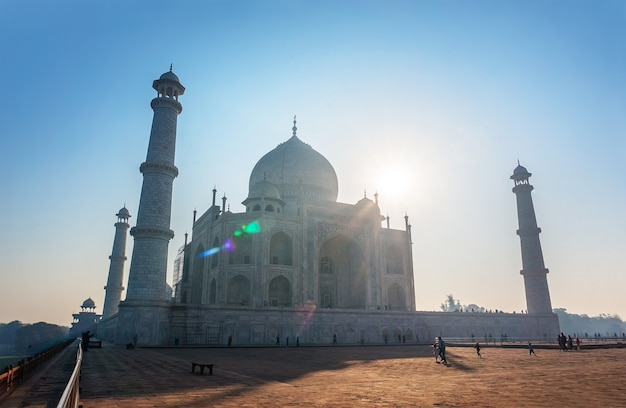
(253, 228)
(305, 313)
(228, 246)
(209, 252)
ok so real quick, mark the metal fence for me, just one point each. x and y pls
(71, 397)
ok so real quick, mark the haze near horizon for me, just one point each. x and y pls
(428, 104)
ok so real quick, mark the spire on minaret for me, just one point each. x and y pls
(294, 128)
(214, 192)
(533, 268)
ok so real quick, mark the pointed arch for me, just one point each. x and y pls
(281, 249)
(280, 292)
(213, 292)
(344, 284)
(395, 261)
(408, 334)
(215, 256)
(238, 291)
(241, 252)
(197, 280)
(395, 297)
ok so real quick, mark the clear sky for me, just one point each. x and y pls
(428, 103)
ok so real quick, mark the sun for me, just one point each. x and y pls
(393, 181)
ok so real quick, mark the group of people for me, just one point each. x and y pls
(297, 340)
(567, 343)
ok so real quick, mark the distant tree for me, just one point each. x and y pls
(33, 338)
(451, 304)
(474, 307)
(573, 323)
(8, 331)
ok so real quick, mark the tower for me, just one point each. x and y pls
(87, 319)
(148, 267)
(144, 315)
(533, 268)
(114, 288)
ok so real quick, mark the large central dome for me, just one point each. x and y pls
(296, 169)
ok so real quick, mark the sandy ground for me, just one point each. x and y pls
(383, 376)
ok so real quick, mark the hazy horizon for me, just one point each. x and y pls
(428, 104)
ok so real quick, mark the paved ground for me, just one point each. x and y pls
(376, 376)
(383, 376)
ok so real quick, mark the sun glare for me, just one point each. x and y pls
(393, 182)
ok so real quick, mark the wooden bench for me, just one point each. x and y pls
(202, 366)
(95, 343)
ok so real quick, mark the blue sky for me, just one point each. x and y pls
(430, 103)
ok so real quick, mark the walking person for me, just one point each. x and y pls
(435, 351)
(477, 347)
(442, 351)
(531, 349)
(570, 343)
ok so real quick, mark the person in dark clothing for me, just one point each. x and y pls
(477, 347)
(85, 340)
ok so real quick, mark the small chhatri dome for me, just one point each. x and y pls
(123, 213)
(88, 304)
(295, 168)
(520, 173)
(170, 75)
(520, 170)
(168, 85)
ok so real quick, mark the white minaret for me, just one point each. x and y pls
(152, 233)
(534, 270)
(114, 288)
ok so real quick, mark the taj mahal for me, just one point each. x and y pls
(297, 264)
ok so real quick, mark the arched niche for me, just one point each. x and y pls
(281, 249)
(395, 297)
(279, 292)
(346, 286)
(238, 291)
(394, 260)
(197, 280)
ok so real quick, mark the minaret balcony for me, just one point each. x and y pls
(163, 168)
(152, 232)
(166, 102)
(528, 231)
